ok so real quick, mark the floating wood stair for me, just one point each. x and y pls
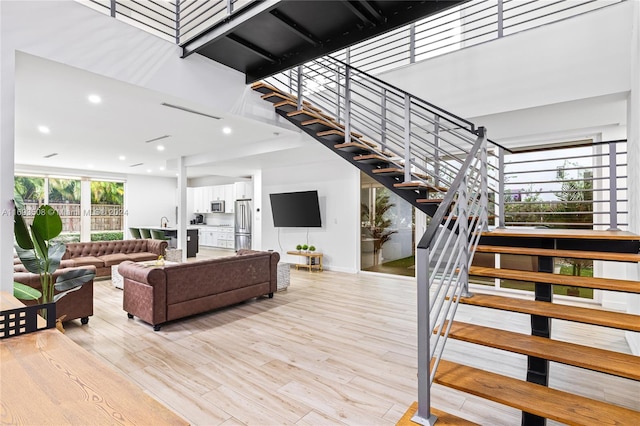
(570, 254)
(444, 419)
(618, 364)
(532, 398)
(579, 314)
(543, 277)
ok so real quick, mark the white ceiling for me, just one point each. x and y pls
(92, 137)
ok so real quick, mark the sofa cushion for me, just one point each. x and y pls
(139, 257)
(114, 259)
(88, 260)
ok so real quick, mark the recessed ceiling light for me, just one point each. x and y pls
(160, 147)
(122, 158)
(226, 130)
(44, 129)
(94, 99)
(162, 168)
(148, 170)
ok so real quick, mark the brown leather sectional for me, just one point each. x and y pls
(157, 295)
(77, 304)
(104, 254)
(97, 256)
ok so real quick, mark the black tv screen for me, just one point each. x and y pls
(296, 210)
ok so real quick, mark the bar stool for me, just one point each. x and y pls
(135, 233)
(159, 235)
(145, 233)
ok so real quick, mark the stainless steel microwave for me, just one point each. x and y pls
(217, 206)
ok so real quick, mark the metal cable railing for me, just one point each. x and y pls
(579, 186)
(432, 146)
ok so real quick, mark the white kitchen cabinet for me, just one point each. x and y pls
(229, 198)
(243, 190)
(201, 199)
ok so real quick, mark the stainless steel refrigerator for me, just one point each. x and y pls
(242, 224)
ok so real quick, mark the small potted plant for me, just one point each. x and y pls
(312, 259)
(305, 247)
(299, 247)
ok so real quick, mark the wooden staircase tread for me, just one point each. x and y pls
(262, 87)
(618, 320)
(369, 157)
(338, 133)
(416, 184)
(568, 280)
(572, 254)
(429, 200)
(532, 398)
(563, 233)
(444, 419)
(399, 171)
(353, 147)
(617, 363)
(313, 114)
(291, 106)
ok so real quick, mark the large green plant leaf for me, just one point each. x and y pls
(56, 251)
(73, 278)
(47, 222)
(29, 260)
(23, 238)
(24, 292)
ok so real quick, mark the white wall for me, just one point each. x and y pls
(338, 186)
(582, 57)
(147, 199)
(72, 34)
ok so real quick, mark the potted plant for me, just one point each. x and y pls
(305, 247)
(312, 259)
(40, 255)
(299, 247)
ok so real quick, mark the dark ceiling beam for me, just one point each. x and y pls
(296, 28)
(356, 11)
(253, 48)
(372, 10)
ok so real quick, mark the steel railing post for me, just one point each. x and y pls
(229, 7)
(177, 21)
(338, 91)
(347, 105)
(463, 237)
(423, 415)
(407, 138)
(412, 43)
(383, 121)
(484, 185)
(299, 87)
(500, 196)
(436, 150)
(500, 18)
(112, 8)
(613, 186)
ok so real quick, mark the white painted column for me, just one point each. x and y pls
(633, 148)
(182, 207)
(85, 210)
(7, 136)
(256, 234)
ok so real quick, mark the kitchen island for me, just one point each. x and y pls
(172, 233)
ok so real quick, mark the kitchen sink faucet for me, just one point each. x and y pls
(164, 222)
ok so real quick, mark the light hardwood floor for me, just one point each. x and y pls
(333, 349)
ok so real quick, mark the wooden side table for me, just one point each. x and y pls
(308, 256)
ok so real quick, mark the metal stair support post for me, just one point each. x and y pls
(299, 87)
(347, 105)
(613, 187)
(423, 414)
(463, 217)
(407, 138)
(500, 195)
(484, 186)
(436, 151)
(383, 120)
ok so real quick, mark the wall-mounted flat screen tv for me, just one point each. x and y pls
(296, 210)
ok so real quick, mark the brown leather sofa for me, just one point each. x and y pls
(104, 254)
(160, 294)
(77, 304)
